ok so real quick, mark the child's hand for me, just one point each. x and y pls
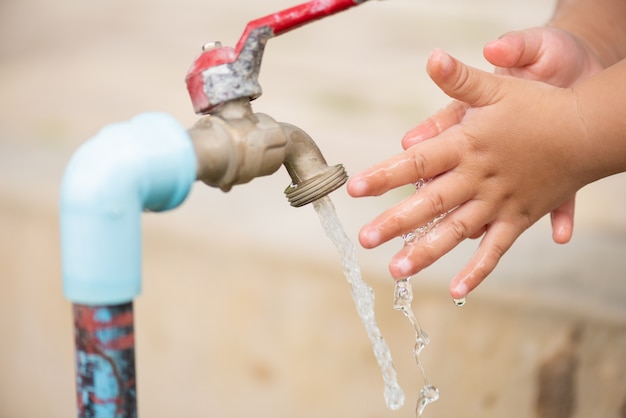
(545, 54)
(508, 161)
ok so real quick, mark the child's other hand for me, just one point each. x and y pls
(544, 54)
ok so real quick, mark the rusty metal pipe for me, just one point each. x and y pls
(105, 361)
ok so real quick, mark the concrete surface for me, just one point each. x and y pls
(245, 311)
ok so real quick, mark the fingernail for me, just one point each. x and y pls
(496, 42)
(445, 60)
(412, 138)
(357, 186)
(459, 291)
(371, 237)
(403, 266)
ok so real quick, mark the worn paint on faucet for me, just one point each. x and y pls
(225, 73)
(297, 16)
(105, 361)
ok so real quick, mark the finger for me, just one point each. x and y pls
(436, 124)
(562, 219)
(494, 245)
(436, 198)
(479, 233)
(462, 82)
(514, 49)
(459, 225)
(427, 160)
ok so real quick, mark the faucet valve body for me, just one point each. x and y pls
(234, 145)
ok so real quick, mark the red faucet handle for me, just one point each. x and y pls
(296, 16)
(221, 74)
(211, 57)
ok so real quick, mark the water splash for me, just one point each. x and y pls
(402, 300)
(363, 296)
(428, 394)
(421, 231)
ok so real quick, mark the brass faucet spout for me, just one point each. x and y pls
(234, 145)
(311, 176)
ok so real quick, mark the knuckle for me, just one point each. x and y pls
(428, 255)
(395, 226)
(420, 164)
(473, 85)
(460, 229)
(463, 81)
(496, 253)
(436, 204)
(493, 255)
(489, 263)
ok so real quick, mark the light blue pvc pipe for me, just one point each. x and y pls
(146, 164)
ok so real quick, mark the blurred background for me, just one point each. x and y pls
(245, 310)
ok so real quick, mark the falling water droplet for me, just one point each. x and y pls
(402, 300)
(428, 394)
(421, 341)
(459, 301)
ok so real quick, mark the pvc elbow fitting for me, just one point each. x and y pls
(146, 164)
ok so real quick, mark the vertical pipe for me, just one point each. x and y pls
(146, 164)
(105, 361)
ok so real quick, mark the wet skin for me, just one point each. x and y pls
(480, 158)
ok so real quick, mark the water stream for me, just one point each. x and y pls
(363, 296)
(403, 298)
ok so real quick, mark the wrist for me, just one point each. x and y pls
(599, 103)
(597, 24)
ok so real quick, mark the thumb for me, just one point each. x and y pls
(462, 82)
(514, 49)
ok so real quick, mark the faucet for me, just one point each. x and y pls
(232, 143)
(150, 164)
